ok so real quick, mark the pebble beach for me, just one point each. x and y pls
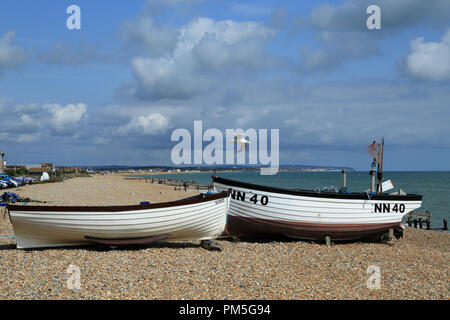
(414, 267)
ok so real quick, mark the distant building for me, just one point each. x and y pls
(71, 169)
(38, 171)
(49, 165)
(30, 166)
(15, 167)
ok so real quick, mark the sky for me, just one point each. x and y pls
(113, 91)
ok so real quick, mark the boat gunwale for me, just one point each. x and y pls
(118, 208)
(311, 193)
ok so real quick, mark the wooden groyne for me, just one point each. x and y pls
(418, 219)
(186, 185)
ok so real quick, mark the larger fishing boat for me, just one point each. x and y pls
(264, 211)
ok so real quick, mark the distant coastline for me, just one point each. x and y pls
(193, 169)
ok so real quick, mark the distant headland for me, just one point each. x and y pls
(246, 168)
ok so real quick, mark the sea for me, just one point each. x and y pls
(433, 185)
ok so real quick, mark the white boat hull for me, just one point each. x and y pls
(265, 211)
(69, 226)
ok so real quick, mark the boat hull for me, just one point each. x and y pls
(264, 212)
(199, 218)
(264, 228)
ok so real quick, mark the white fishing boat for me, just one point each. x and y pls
(262, 211)
(201, 217)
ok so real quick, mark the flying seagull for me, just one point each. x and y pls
(240, 139)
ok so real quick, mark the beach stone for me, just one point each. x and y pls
(211, 245)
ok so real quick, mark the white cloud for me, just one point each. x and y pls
(202, 46)
(150, 124)
(11, 56)
(65, 119)
(429, 60)
(26, 124)
(32, 122)
(233, 44)
(341, 33)
(173, 78)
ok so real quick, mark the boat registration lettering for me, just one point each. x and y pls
(240, 195)
(218, 201)
(387, 207)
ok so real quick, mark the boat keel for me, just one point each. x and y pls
(127, 241)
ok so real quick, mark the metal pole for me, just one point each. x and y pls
(344, 179)
(372, 177)
(372, 182)
(2, 168)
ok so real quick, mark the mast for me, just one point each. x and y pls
(380, 167)
(378, 170)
